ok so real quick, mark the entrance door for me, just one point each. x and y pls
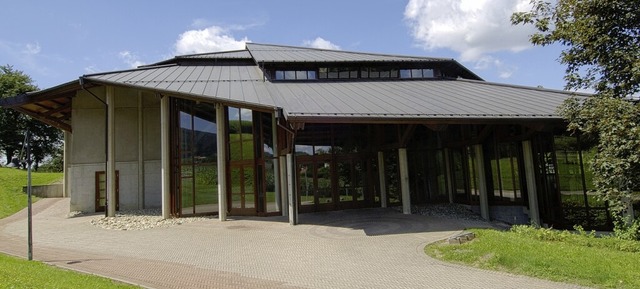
(101, 191)
(250, 154)
(315, 185)
(242, 201)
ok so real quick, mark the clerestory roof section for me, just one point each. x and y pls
(264, 53)
(213, 56)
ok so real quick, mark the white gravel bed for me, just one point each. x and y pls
(139, 220)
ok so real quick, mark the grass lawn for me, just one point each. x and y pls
(549, 254)
(12, 199)
(19, 273)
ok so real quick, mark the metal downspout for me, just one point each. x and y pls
(106, 143)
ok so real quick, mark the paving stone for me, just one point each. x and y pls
(369, 248)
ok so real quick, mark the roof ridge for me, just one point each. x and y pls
(348, 51)
(142, 67)
(208, 53)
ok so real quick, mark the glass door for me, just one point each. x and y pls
(315, 188)
(195, 162)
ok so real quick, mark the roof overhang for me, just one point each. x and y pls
(51, 106)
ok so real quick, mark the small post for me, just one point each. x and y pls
(29, 212)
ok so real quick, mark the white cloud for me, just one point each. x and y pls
(32, 49)
(321, 43)
(476, 29)
(130, 59)
(473, 28)
(211, 39)
(504, 70)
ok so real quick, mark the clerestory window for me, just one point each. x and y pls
(295, 74)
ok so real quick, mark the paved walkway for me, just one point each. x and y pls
(372, 248)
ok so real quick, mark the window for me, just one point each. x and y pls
(295, 74)
(374, 72)
(337, 72)
(417, 73)
(505, 170)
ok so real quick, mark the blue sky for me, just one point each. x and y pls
(57, 41)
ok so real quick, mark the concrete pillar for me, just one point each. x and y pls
(404, 181)
(383, 180)
(140, 153)
(66, 157)
(276, 163)
(222, 162)
(482, 181)
(530, 177)
(449, 176)
(284, 192)
(111, 153)
(293, 203)
(165, 157)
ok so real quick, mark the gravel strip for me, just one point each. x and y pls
(152, 218)
(141, 220)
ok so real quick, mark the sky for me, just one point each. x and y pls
(55, 42)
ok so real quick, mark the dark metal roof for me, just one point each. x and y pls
(240, 54)
(278, 53)
(424, 99)
(241, 82)
(224, 55)
(51, 106)
(233, 84)
(384, 99)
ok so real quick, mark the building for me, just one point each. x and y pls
(280, 130)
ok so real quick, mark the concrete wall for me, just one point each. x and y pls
(46, 191)
(88, 148)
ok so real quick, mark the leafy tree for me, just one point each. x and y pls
(601, 40)
(13, 125)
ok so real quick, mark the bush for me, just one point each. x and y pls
(580, 237)
(630, 232)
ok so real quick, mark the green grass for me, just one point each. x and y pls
(12, 199)
(549, 254)
(19, 273)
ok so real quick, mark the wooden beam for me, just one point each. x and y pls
(436, 127)
(407, 134)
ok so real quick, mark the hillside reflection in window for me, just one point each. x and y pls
(197, 163)
(505, 170)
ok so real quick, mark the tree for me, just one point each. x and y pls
(601, 40)
(13, 125)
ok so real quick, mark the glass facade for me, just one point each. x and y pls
(195, 162)
(337, 166)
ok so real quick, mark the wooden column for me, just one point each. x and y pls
(221, 161)
(530, 177)
(383, 180)
(447, 168)
(165, 156)
(111, 152)
(482, 181)
(404, 181)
